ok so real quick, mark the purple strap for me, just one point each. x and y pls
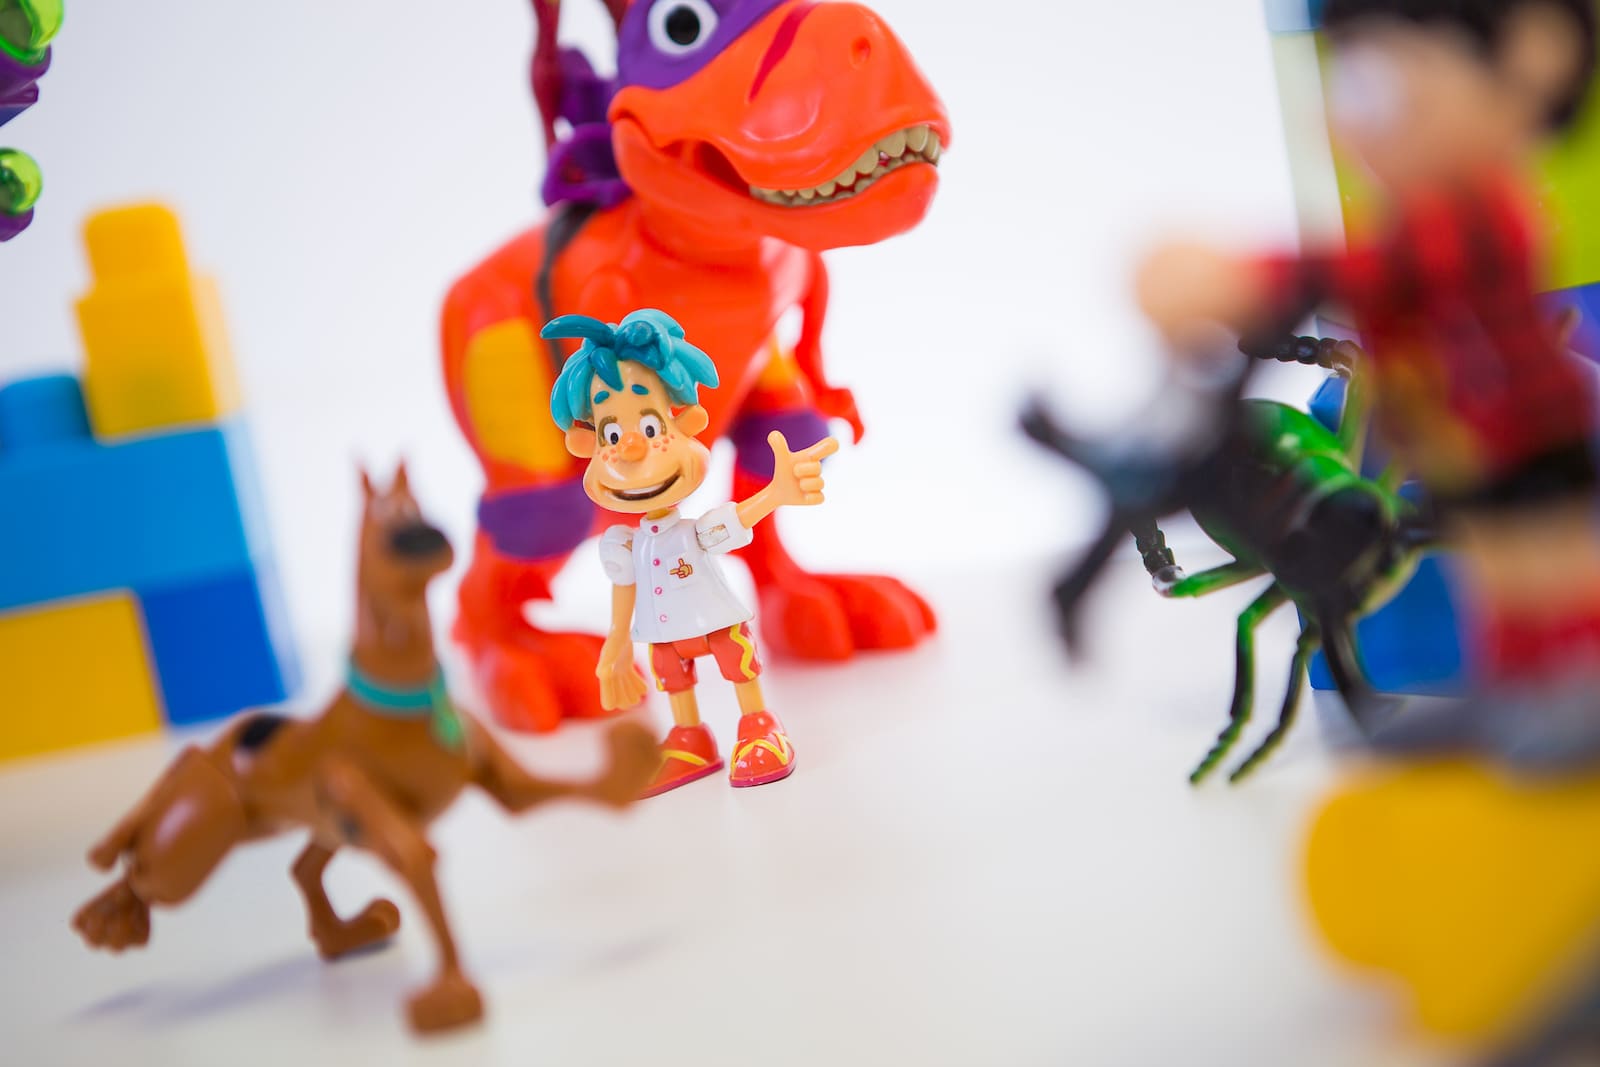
(582, 168)
(802, 426)
(538, 524)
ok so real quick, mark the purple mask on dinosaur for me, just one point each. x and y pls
(663, 42)
(659, 44)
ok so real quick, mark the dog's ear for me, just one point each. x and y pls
(402, 479)
(367, 489)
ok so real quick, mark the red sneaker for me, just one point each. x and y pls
(762, 754)
(688, 754)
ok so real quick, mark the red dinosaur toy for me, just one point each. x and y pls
(739, 140)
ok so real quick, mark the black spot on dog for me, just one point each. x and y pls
(258, 730)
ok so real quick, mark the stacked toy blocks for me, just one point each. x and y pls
(26, 28)
(1413, 644)
(135, 574)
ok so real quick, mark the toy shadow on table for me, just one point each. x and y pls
(1281, 493)
(386, 757)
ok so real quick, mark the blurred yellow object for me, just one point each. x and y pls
(507, 386)
(75, 672)
(156, 351)
(1480, 893)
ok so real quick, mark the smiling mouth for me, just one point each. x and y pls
(916, 144)
(649, 492)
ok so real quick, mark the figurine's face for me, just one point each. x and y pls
(1420, 105)
(642, 457)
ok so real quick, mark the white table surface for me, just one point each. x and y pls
(987, 856)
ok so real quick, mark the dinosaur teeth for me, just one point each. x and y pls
(918, 144)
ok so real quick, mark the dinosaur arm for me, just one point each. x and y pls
(832, 402)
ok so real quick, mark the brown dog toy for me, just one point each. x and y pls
(386, 757)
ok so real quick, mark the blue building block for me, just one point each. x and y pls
(152, 512)
(42, 411)
(218, 645)
(176, 518)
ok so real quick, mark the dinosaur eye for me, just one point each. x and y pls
(650, 426)
(678, 27)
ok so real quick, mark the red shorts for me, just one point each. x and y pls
(734, 649)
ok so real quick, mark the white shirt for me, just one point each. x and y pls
(682, 593)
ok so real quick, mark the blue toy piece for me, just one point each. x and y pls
(231, 626)
(42, 411)
(172, 517)
(153, 512)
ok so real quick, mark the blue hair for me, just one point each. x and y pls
(648, 337)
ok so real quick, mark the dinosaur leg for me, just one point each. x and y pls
(1244, 685)
(334, 936)
(814, 616)
(530, 678)
(1308, 643)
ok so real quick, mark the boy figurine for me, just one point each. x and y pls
(1446, 102)
(628, 401)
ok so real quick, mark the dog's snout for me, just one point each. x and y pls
(418, 541)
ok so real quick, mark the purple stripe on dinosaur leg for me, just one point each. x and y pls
(801, 426)
(539, 523)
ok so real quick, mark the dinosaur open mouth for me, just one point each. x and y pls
(917, 144)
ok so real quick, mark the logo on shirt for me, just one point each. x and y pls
(682, 570)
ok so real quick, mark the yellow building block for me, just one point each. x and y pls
(156, 351)
(506, 381)
(74, 673)
(1478, 892)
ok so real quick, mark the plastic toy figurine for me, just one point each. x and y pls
(26, 29)
(1284, 495)
(1445, 104)
(628, 401)
(388, 755)
(739, 140)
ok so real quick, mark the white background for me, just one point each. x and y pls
(988, 855)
